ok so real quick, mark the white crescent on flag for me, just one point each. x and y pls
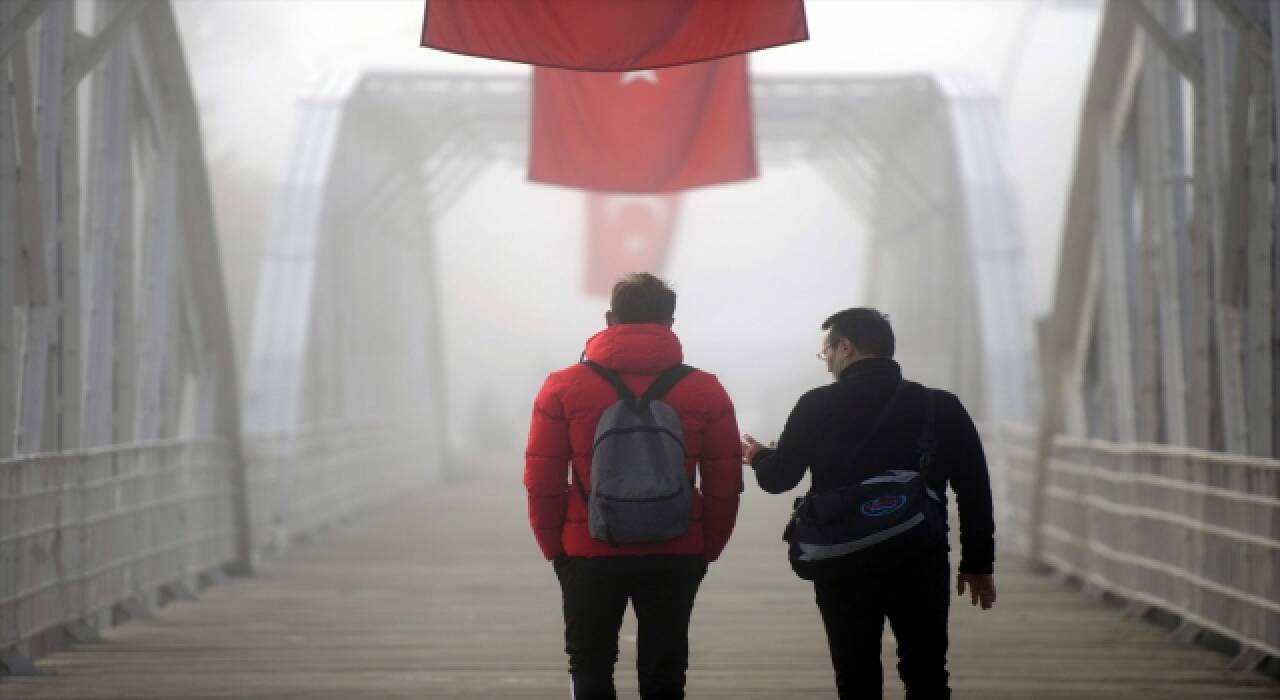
(648, 76)
(627, 233)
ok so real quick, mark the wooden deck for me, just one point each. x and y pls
(445, 596)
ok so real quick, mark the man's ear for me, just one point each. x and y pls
(608, 319)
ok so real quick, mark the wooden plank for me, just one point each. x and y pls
(443, 615)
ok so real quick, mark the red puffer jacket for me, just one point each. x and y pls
(564, 423)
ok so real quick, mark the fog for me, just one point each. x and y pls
(757, 265)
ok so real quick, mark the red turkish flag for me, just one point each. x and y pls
(625, 234)
(610, 35)
(643, 131)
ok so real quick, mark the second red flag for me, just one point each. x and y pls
(644, 131)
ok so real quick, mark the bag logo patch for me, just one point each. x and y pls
(882, 505)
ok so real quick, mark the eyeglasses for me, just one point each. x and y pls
(823, 353)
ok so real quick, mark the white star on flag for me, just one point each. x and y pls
(648, 76)
(646, 208)
(636, 244)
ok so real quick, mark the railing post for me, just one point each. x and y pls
(1050, 419)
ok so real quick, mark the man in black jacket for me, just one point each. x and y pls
(908, 586)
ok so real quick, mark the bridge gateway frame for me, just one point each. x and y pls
(130, 477)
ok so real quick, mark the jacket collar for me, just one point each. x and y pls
(879, 367)
(637, 348)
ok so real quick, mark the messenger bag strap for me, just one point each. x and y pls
(875, 427)
(927, 444)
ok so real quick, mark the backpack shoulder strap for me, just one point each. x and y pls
(577, 481)
(614, 380)
(927, 443)
(664, 382)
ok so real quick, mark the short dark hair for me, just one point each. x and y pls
(866, 328)
(642, 298)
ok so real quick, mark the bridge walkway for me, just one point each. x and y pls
(443, 595)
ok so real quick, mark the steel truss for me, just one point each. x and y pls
(120, 477)
(1152, 472)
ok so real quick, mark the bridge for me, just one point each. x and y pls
(180, 519)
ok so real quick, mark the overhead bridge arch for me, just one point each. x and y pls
(378, 158)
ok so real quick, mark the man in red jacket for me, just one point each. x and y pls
(659, 578)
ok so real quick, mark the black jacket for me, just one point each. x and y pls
(830, 421)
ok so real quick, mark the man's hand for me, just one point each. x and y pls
(982, 588)
(750, 446)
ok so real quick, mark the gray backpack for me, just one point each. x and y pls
(640, 491)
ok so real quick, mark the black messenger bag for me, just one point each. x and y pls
(893, 508)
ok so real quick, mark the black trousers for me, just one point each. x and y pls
(913, 591)
(595, 592)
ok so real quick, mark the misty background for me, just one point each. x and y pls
(757, 265)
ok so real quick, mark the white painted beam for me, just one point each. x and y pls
(108, 37)
(1162, 159)
(110, 184)
(20, 19)
(158, 287)
(1186, 62)
(29, 198)
(157, 283)
(70, 303)
(1227, 314)
(1115, 298)
(8, 254)
(41, 136)
(1275, 270)
(1259, 366)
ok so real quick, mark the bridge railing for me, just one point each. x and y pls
(1192, 532)
(84, 531)
(94, 534)
(300, 482)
